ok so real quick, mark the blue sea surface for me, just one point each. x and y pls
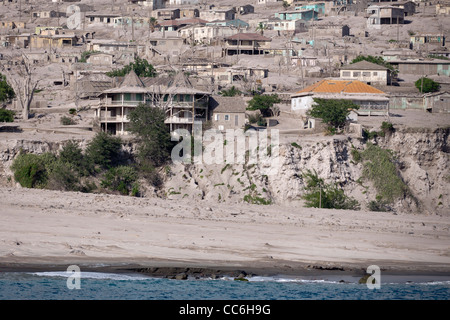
(111, 286)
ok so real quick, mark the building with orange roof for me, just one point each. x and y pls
(371, 100)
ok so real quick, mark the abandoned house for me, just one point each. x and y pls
(433, 39)
(227, 112)
(409, 7)
(101, 18)
(305, 15)
(183, 104)
(367, 72)
(218, 14)
(380, 15)
(422, 67)
(370, 100)
(246, 43)
(206, 34)
(166, 14)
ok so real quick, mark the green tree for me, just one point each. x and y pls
(152, 134)
(261, 27)
(426, 85)
(85, 55)
(6, 91)
(153, 23)
(263, 103)
(103, 150)
(232, 92)
(141, 66)
(332, 112)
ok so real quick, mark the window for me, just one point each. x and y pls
(366, 74)
(375, 74)
(356, 74)
(227, 117)
(346, 73)
(216, 117)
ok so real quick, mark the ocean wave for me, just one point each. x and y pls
(92, 275)
(282, 280)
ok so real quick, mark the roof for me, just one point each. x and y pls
(363, 65)
(248, 36)
(340, 86)
(220, 104)
(132, 80)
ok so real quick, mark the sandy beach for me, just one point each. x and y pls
(44, 229)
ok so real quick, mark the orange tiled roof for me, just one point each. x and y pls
(340, 86)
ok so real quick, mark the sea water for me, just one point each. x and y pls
(112, 286)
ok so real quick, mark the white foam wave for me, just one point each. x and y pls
(92, 275)
(281, 279)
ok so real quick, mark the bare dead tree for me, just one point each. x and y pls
(23, 82)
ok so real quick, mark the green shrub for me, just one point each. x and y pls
(72, 110)
(379, 167)
(257, 200)
(318, 194)
(254, 118)
(387, 127)
(30, 170)
(6, 115)
(356, 155)
(62, 176)
(103, 150)
(120, 179)
(148, 171)
(67, 121)
(378, 205)
(295, 145)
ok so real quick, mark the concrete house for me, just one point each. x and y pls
(371, 100)
(306, 15)
(380, 15)
(106, 19)
(12, 25)
(432, 39)
(46, 14)
(366, 72)
(166, 14)
(189, 13)
(218, 14)
(443, 8)
(319, 7)
(206, 34)
(422, 67)
(409, 7)
(100, 59)
(245, 9)
(153, 4)
(246, 43)
(294, 26)
(183, 104)
(227, 112)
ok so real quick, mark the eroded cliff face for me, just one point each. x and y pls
(422, 158)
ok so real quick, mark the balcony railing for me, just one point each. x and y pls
(123, 103)
(113, 119)
(174, 119)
